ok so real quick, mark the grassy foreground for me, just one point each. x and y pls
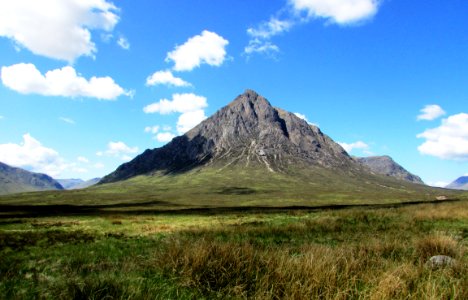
(365, 253)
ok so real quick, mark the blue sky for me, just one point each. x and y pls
(87, 85)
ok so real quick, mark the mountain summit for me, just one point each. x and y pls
(385, 165)
(248, 132)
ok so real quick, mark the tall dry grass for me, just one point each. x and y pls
(314, 271)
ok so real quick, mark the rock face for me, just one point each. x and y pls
(385, 165)
(249, 131)
(15, 180)
(460, 184)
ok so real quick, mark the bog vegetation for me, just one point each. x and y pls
(366, 253)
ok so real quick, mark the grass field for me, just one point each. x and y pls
(363, 252)
(237, 187)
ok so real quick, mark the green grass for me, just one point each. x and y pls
(366, 253)
(238, 187)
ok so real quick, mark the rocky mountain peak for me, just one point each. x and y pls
(248, 132)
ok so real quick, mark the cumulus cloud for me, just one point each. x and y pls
(189, 120)
(27, 79)
(67, 120)
(431, 112)
(356, 145)
(123, 43)
(166, 78)
(59, 29)
(152, 129)
(30, 154)
(206, 48)
(164, 137)
(341, 12)
(119, 149)
(181, 103)
(449, 140)
(337, 11)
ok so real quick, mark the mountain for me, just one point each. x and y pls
(16, 180)
(250, 153)
(76, 183)
(70, 183)
(460, 184)
(249, 131)
(385, 165)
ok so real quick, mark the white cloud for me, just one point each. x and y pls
(449, 140)
(82, 159)
(260, 36)
(33, 156)
(189, 120)
(271, 28)
(27, 79)
(181, 103)
(58, 29)
(261, 46)
(338, 11)
(123, 43)
(438, 183)
(67, 120)
(301, 116)
(166, 77)
(119, 149)
(152, 129)
(207, 48)
(356, 145)
(431, 112)
(341, 12)
(164, 137)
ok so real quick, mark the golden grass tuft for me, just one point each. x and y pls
(437, 244)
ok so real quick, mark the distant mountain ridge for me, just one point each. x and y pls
(460, 183)
(385, 165)
(76, 183)
(16, 180)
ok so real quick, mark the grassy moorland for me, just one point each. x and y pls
(237, 187)
(366, 253)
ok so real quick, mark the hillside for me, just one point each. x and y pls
(16, 180)
(76, 183)
(385, 165)
(460, 183)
